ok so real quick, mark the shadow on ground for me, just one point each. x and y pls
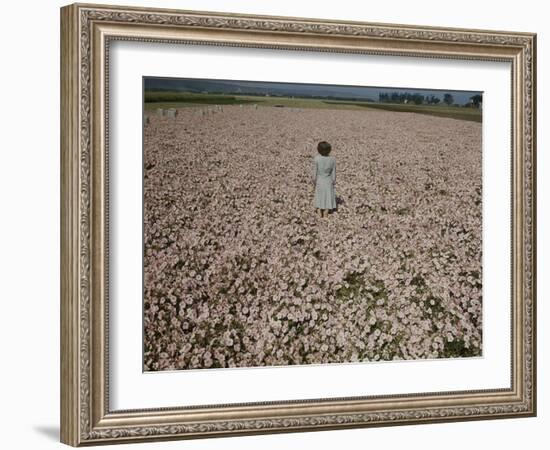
(50, 431)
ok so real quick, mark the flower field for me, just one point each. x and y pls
(239, 271)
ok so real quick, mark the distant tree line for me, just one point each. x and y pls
(476, 100)
(402, 97)
(419, 99)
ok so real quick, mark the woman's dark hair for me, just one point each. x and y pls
(324, 148)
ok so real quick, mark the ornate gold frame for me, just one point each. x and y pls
(86, 31)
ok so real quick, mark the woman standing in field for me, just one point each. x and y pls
(324, 179)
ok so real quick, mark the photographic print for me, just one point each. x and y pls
(292, 224)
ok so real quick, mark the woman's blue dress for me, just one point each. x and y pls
(324, 178)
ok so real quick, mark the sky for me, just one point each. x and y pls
(292, 89)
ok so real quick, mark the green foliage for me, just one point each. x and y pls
(355, 286)
(185, 97)
(470, 114)
(448, 99)
(457, 349)
(402, 211)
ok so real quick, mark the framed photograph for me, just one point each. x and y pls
(276, 224)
